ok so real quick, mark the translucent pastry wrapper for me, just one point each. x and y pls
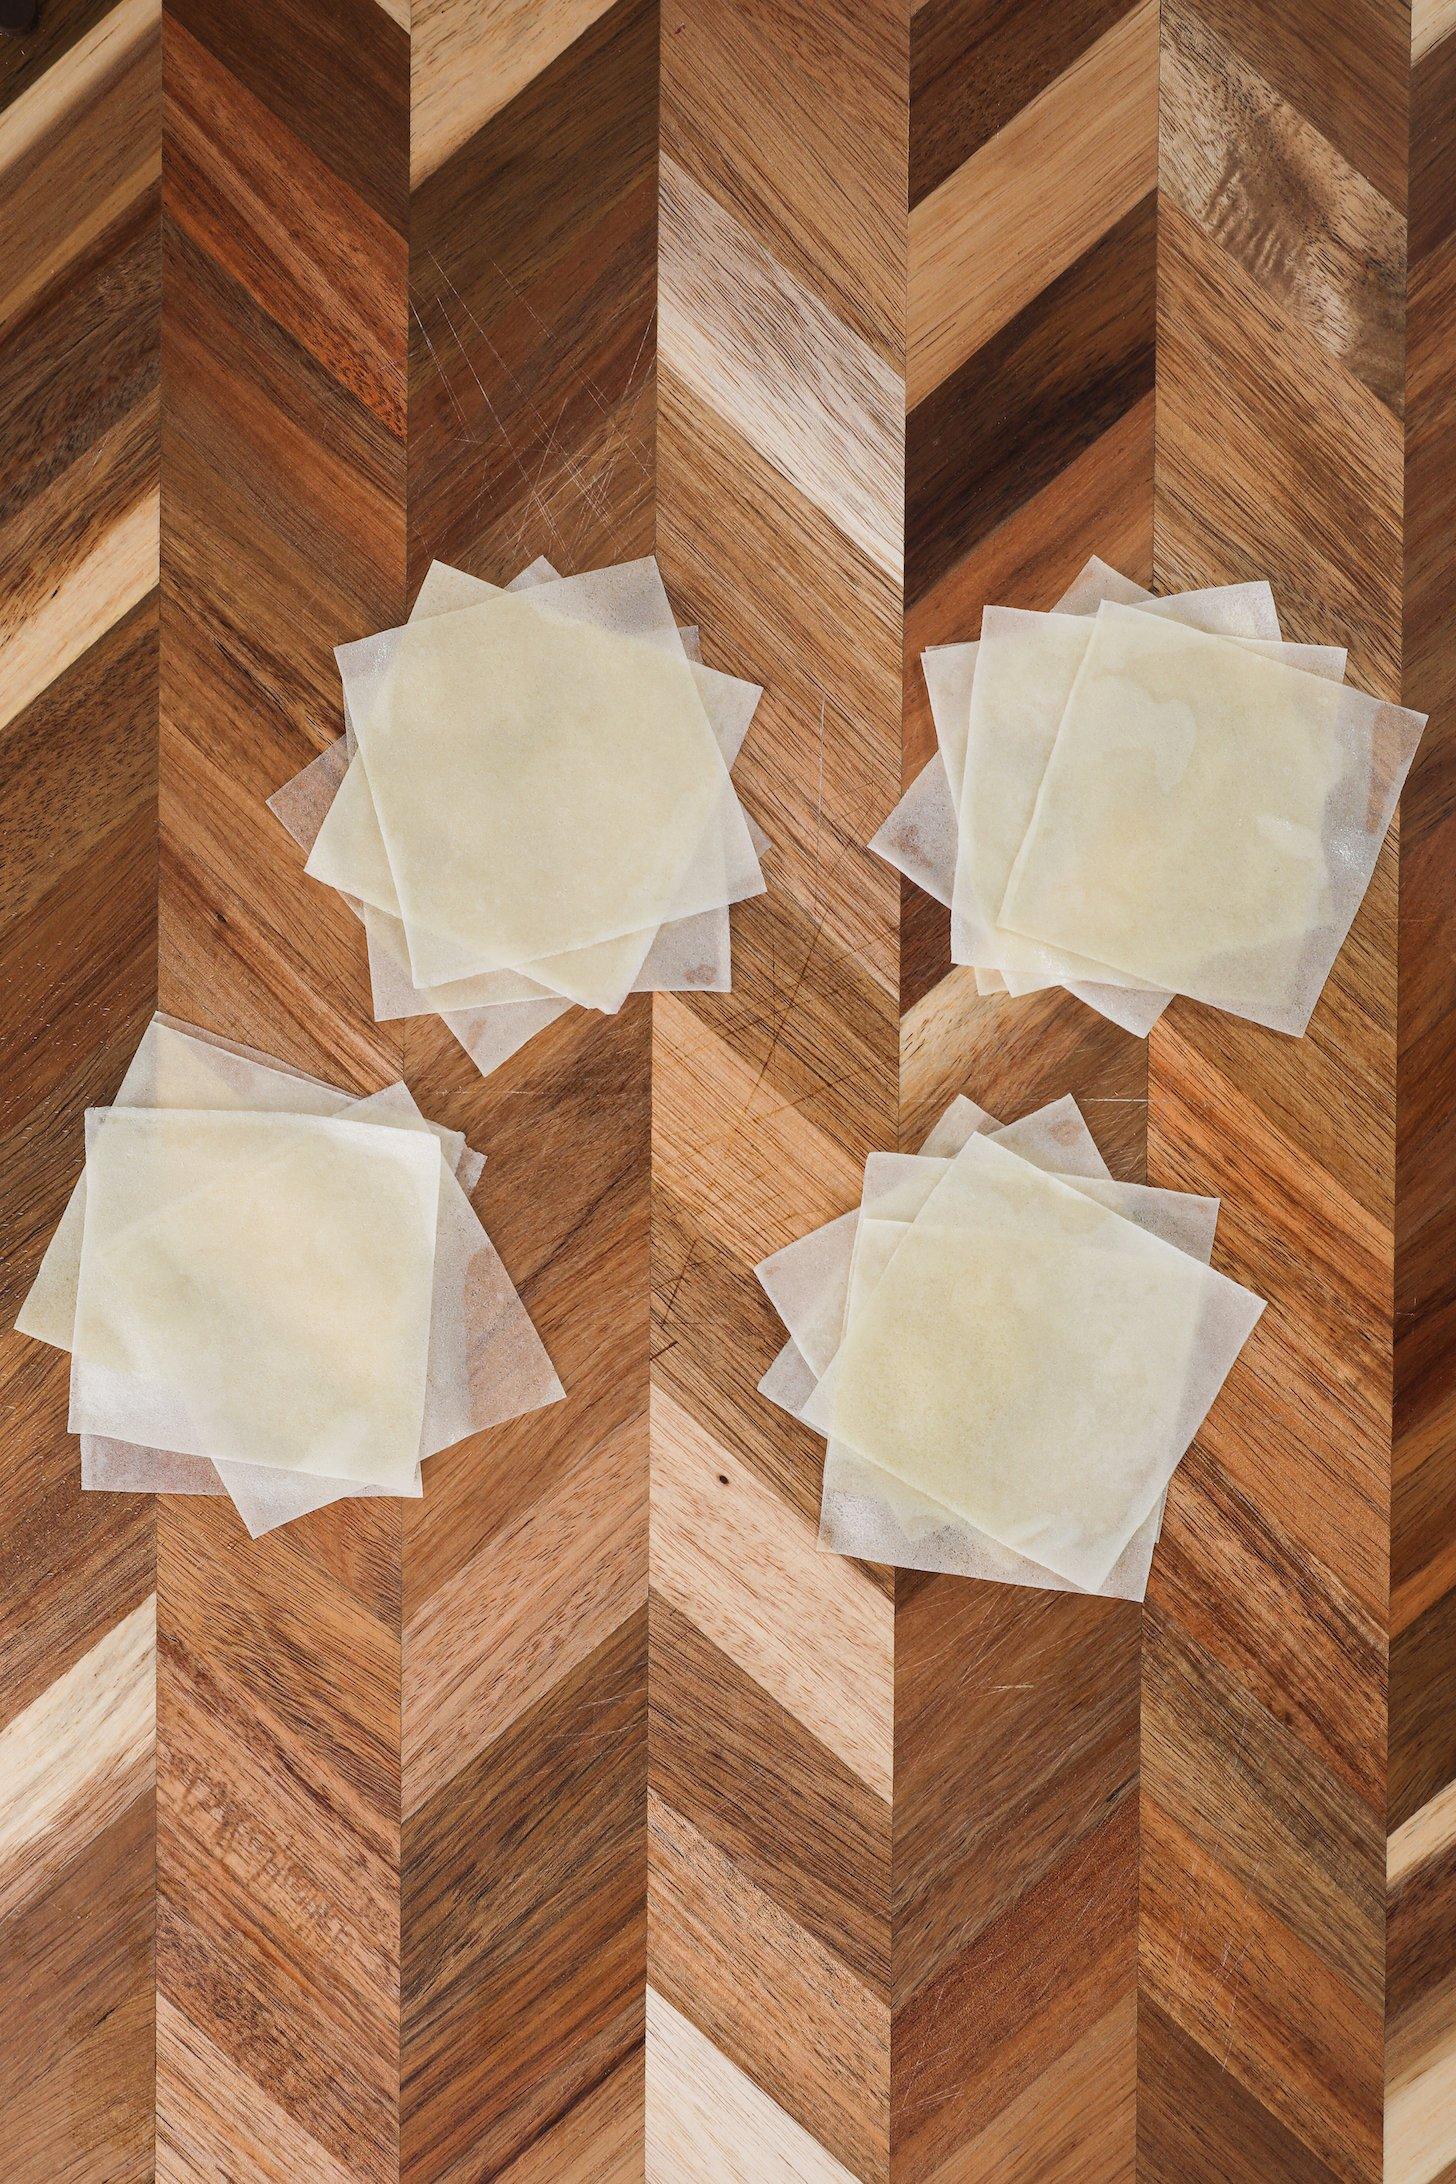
(866, 1512)
(689, 955)
(807, 1281)
(485, 1361)
(491, 1036)
(179, 1065)
(896, 1190)
(120, 1467)
(256, 1288)
(1029, 965)
(1025, 668)
(495, 1014)
(682, 955)
(542, 787)
(790, 1381)
(1255, 931)
(264, 1499)
(912, 1532)
(921, 837)
(1262, 794)
(486, 1364)
(1032, 1359)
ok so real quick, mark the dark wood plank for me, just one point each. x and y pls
(1422, 1810)
(1020, 411)
(780, 527)
(80, 262)
(283, 534)
(1016, 1785)
(973, 67)
(1279, 451)
(533, 246)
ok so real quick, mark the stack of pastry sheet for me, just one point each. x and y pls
(1007, 1353)
(532, 805)
(1137, 797)
(274, 1289)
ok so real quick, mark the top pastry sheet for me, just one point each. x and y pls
(1032, 1361)
(258, 1287)
(543, 786)
(1209, 818)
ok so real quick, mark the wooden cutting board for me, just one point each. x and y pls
(583, 1819)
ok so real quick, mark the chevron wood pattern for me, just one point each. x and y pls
(1420, 2000)
(780, 526)
(278, 1672)
(1029, 447)
(79, 323)
(583, 1821)
(1261, 1939)
(533, 239)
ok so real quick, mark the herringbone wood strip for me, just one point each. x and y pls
(584, 1818)
(533, 225)
(1029, 447)
(1420, 1999)
(80, 128)
(1262, 1935)
(780, 528)
(283, 355)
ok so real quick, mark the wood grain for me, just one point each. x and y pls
(533, 240)
(984, 245)
(1262, 1944)
(780, 527)
(583, 1821)
(1016, 1729)
(80, 146)
(1420, 2026)
(277, 1853)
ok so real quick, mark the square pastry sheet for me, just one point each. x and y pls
(330, 811)
(1209, 818)
(868, 1512)
(541, 786)
(1026, 668)
(1032, 1360)
(896, 1191)
(257, 1288)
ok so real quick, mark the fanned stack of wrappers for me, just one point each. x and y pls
(1135, 798)
(1007, 1353)
(532, 805)
(274, 1289)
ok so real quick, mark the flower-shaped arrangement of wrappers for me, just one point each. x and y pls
(1136, 797)
(532, 804)
(1007, 1353)
(274, 1289)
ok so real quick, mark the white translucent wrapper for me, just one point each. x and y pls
(485, 1362)
(1209, 818)
(1032, 1357)
(866, 1512)
(923, 835)
(257, 1288)
(688, 954)
(178, 1065)
(1025, 670)
(494, 1014)
(1216, 815)
(542, 786)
